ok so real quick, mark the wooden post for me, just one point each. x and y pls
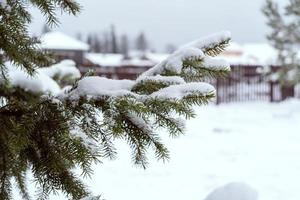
(271, 94)
(217, 93)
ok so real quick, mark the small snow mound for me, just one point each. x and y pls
(183, 90)
(38, 83)
(95, 87)
(65, 68)
(233, 191)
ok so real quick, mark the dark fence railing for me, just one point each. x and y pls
(246, 83)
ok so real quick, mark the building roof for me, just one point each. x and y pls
(118, 60)
(250, 54)
(107, 59)
(59, 41)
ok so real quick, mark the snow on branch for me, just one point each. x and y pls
(65, 68)
(95, 87)
(216, 63)
(167, 79)
(90, 143)
(200, 50)
(212, 44)
(174, 62)
(38, 83)
(183, 90)
(162, 79)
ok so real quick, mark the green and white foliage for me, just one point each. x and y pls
(284, 22)
(50, 130)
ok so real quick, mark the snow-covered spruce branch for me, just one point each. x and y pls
(54, 128)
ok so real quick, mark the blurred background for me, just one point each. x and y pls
(121, 39)
(251, 137)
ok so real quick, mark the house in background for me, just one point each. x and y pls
(64, 46)
(116, 66)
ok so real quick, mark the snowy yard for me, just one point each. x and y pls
(255, 143)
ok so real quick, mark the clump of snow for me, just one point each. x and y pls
(38, 83)
(164, 79)
(95, 87)
(90, 143)
(175, 61)
(139, 122)
(180, 91)
(209, 41)
(233, 191)
(65, 68)
(216, 63)
(192, 50)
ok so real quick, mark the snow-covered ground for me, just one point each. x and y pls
(255, 143)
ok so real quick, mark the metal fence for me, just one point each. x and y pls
(245, 83)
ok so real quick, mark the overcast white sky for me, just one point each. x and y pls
(167, 21)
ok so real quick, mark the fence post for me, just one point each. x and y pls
(217, 93)
(271, 91)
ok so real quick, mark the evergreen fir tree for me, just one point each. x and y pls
(285, 37)
(51, 131)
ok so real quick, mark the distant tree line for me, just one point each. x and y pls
(110, 42)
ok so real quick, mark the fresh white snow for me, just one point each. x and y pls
(95, 87)
(42, 80)
(163, 79)
(194, 50)
(38, 83)
(208, 41)
(233, 191)
(180, 91)
(216, 63)
(65, 68)
(254, 144)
